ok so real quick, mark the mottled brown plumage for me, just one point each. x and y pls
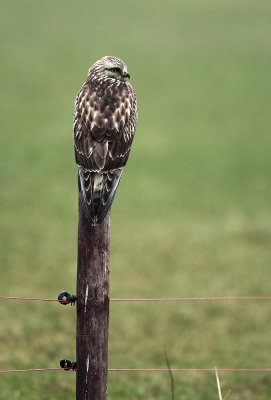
(105, 116)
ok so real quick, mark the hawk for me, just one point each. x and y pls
(105, 116)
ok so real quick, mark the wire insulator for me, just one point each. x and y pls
(65, 298)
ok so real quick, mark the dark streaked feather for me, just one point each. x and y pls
(97, 192)
(96, 121)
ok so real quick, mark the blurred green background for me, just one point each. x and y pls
(191, 216)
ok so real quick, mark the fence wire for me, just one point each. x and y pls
(29, 370)
(153, 299)
(148, 299)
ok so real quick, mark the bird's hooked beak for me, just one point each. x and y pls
(125, 76)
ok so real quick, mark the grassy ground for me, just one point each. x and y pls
(192, 214)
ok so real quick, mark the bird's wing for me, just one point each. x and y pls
(119, 149)
(104, 127)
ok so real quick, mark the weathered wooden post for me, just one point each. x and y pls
(104, 122)
(92, 308)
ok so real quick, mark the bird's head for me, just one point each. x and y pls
(109, 67)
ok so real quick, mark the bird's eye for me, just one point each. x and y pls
(115, 70)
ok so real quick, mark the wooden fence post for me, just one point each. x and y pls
(92, 308)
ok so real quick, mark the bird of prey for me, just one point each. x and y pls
(105, 116)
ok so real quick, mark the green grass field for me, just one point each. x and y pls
(191, 216)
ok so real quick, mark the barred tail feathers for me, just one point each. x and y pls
(97, 191)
